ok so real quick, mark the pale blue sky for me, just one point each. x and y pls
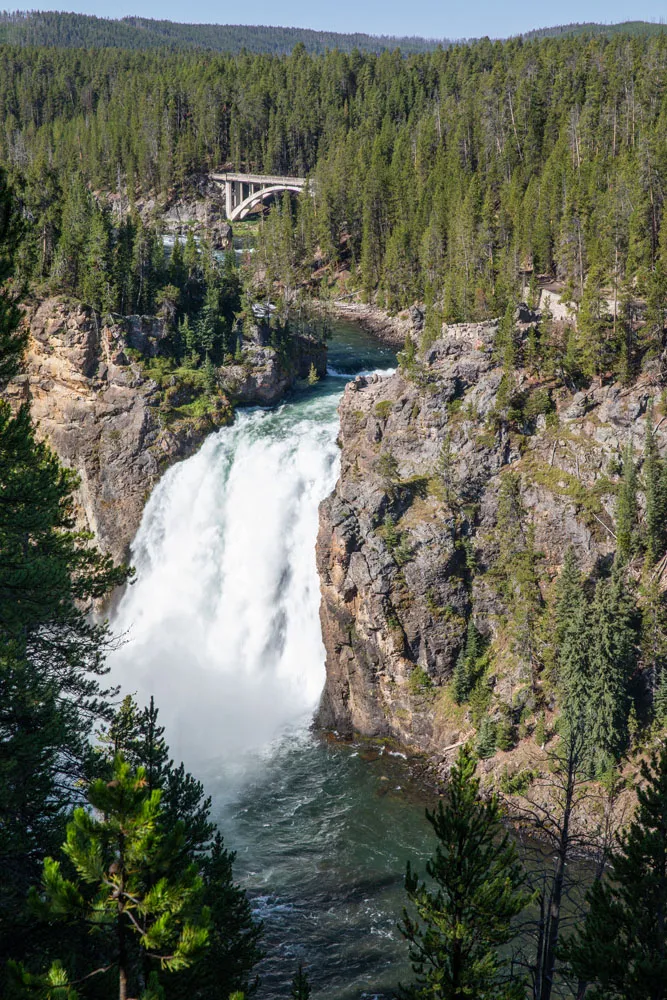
(432, 19)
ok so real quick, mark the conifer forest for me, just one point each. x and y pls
(443, 360)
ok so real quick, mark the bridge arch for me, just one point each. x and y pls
(244, 207)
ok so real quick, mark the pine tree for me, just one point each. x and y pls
(124, 276)
(626, 509)
(574, 661)
(137, 735)
(572, 635)
(42, 750)
(515, 572)
(51, 655)
(591, 327)
(466, 917)
(621, 947)
(569, 594)
(613, 659)
(234, 934)
(301, 988)
(96, 284)
(67, 270)
(114, 849)
(12, 339)
(210, 375)
(653, 607)
(467, 663)
(505, 731)
(656, 298)
(486, 738)
(654, 489)
(660, 699)
(50, 575)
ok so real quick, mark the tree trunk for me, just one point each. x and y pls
(557, 890)
(122, 943)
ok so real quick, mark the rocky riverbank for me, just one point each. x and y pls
(408, 539)
(109, 409)
(390, 330)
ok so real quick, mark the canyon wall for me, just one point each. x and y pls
(408, 539)
(96, 404)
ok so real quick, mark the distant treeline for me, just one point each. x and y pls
(85, 31)
(593, 28)
(69, 30)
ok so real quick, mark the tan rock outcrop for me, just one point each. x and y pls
(100, 415)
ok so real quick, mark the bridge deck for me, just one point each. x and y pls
(266, 179)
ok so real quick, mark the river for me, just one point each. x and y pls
(222, 626)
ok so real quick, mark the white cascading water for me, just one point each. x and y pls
(222, 622)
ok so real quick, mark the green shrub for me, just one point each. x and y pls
(486, 738)
(387, 468)
(519, 783)
(539, 402)
(480, 694)
(383, 408)
(505, 734)
(419, 681)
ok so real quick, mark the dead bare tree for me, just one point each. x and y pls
(568, 817)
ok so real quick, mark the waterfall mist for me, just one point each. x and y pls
(222, 622)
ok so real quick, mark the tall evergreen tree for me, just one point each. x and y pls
(626, 509)
(465, 918)
(115, 846)
(653, 474)
(621, 947)
(12, 338)
(51, 653)
(234, 935)
(613, 657)
(569, 594)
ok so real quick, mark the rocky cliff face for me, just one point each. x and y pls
(118, 427)
(401, 564)
(199, 206)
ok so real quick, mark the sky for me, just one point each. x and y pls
(429, 18)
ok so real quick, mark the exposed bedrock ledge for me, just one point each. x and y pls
(394, 610)
(118, 428)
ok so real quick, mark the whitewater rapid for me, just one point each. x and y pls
(222, 621)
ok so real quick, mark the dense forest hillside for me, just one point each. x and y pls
(594, 28)
(452, 177)
(85, 31)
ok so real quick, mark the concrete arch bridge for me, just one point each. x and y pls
(243, 192)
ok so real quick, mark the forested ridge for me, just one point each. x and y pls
(86, 31)
(446, 177)
(70, 30)
(595, 28)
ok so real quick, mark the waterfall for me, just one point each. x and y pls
(222, 623)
